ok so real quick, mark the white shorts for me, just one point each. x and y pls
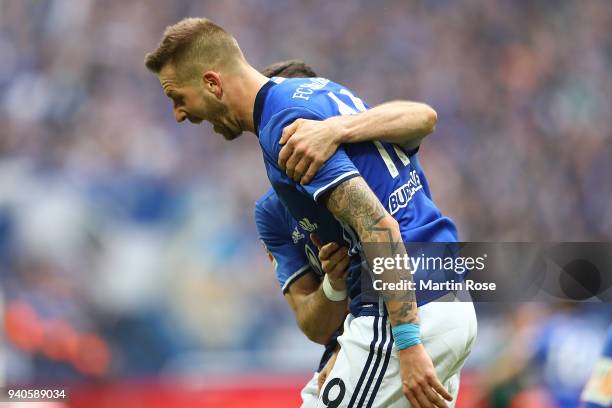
(366, 373)
(309, 393)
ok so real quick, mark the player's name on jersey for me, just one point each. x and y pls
(450, 285)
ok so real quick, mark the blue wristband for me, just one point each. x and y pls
(406, 335)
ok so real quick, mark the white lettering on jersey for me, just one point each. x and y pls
(302, 93)
(315, 83)
(402, 196)
(359, 106)
(306, 89)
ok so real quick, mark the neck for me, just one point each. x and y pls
(248, 83)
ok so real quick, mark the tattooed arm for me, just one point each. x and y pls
(355, 204)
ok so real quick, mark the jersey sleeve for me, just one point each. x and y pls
(337, 169)
(289, 260)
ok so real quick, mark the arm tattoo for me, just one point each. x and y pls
(354, 203)
(405, 314)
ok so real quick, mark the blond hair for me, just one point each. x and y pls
(192, 45)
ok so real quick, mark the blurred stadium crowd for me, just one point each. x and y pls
(127, 242)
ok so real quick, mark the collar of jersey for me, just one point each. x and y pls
(260, 99)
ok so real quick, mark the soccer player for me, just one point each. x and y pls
(303, 278)
(388, 346)
(300, 266)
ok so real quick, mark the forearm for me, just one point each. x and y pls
(383, 240)
(398, 122)
(355, 204)
(319, 317)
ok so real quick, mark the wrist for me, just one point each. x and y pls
(337, 284)
(409, 352)
(340, 132)
(331, 293)
(406, 335)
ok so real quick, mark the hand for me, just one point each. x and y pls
(307, 144)
(419, 381)
(327, 369)
(334, 261)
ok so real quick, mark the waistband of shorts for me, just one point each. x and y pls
(369, 309)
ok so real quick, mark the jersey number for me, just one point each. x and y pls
(359, 106)
(335, 403)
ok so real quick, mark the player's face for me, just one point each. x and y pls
(197, 102)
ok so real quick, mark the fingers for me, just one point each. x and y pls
(334, 258)
(427, 395)
(313, 167)
(440, 389)
(288, 151)
(298, 159)
(434, 398)
(421, 398)
(336, 263)
(300, 169)
(284, 155)
(292, 162)
(315, 240)
(327, 250)
(339, 269)
(288, 131)
(414, 402)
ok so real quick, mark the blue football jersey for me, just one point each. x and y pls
(290, 249)
(287, 243)
(393, 176)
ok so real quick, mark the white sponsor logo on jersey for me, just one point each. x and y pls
(306, 89)
(402, 196)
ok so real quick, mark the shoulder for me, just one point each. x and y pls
(300, 91)
(298, 98)
(272, 128)
(293, 94)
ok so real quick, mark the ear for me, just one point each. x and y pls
(212, 82)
